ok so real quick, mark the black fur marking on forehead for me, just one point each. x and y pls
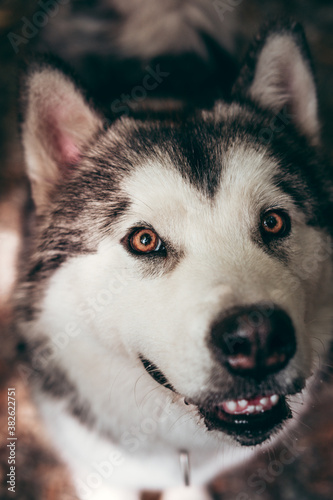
(187, 143)
(199, 156)
(197, 148)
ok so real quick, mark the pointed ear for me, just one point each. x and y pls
(57, 125)
(278, 74)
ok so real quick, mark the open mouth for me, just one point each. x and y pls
(249, 421)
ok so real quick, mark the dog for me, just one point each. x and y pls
(179, 276)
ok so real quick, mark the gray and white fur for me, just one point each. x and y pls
(122, 361)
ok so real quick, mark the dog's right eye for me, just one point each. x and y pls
(145, 241)
(275, 223)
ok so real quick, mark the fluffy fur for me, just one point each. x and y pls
(91, 311)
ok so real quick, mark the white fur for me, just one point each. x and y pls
(100, 313)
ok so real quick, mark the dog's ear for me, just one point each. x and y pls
(57, 125)
(278, 75)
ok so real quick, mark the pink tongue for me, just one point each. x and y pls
(247, 407)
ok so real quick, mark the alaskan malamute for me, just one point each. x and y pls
(180, 275)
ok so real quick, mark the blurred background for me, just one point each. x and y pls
(109, 44)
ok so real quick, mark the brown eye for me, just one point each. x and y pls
(144, 241)
(275, 223)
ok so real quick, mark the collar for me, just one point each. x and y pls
(184, 462)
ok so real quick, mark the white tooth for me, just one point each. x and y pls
(258, 408)
(264, 401)
(242, 403)
(250, 409)
(231, 405)
(274, 399)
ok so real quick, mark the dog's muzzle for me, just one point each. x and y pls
(253, 344)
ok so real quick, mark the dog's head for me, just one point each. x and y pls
(196, 246)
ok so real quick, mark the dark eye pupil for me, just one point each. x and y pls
(270, 222)
(145, 239)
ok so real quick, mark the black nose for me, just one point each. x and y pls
(254, 341)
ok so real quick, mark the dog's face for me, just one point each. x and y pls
(198, 245)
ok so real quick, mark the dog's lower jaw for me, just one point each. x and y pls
(249, 421)
(249, 429)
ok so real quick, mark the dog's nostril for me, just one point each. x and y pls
(234, 345)
(275, 359)
(254, 347)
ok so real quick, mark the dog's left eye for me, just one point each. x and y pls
(145, 241)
